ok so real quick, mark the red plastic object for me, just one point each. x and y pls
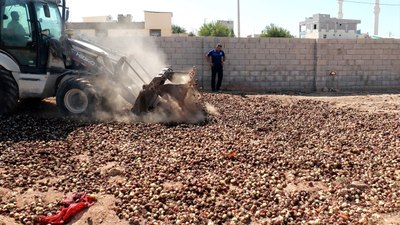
(71, 206)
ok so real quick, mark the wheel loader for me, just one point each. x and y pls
(38, 60)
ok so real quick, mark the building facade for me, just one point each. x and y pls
(155, 24)
(158, 23)
(322, 26)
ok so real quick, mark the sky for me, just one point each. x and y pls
(255, 15)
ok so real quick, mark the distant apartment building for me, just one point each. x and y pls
(322, 26)
(155, 24)
(227, 23)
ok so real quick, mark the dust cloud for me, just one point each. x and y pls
(147, 61)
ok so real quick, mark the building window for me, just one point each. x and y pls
(315, 26)
(155, 32)
(101, 33)
(324, 36)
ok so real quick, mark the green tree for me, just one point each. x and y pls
(215, 29)
(178, 30)
(274, 31)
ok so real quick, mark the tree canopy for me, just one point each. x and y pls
(215, 29)
(274, 31)
(178, 30)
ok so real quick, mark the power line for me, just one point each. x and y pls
(371, 3)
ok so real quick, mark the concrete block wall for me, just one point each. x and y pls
(253, 64)
(281, 64)
(359, 65)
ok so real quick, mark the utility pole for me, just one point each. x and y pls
(376, 11)
(238, 15)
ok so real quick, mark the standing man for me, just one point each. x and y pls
(16, 31)
(14, 27)
(216, 59)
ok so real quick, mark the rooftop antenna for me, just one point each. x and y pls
(340, 14)
(376, 12)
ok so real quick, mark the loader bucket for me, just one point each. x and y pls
(173, 94)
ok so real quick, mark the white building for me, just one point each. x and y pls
(227, 23)
(322, 26)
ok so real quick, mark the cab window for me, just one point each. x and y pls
(16, 27)
(50, 23)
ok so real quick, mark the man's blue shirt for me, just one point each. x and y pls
(216, 56)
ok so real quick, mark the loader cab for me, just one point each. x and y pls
(25, 29)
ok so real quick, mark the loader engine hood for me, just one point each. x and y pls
(89, 56)
(85, 47)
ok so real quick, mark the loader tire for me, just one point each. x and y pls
(8, 92)
(76, 97)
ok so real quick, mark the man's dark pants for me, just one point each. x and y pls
(216, 69)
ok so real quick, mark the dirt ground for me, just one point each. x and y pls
(377, 103)
(368, 103)
(102, 211)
